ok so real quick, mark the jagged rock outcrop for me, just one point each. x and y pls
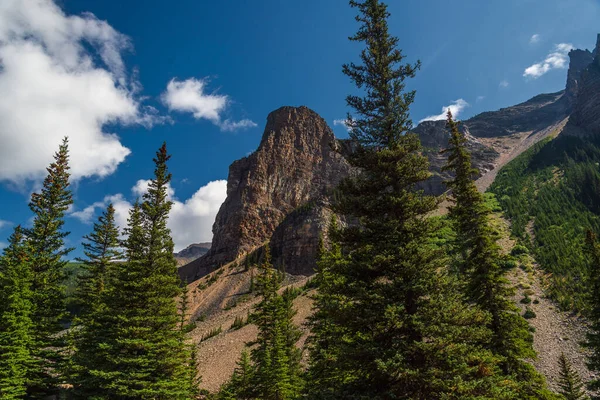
(578, 61)
(296, 162)
(585, 117)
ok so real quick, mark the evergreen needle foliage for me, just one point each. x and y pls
(480, 267)
(15, 318)
(143, 354)
(46, 252)
(390, 322)
(101, 249)
(273, 371)
(571, 387)
(593, 336)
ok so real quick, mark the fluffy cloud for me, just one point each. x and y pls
(190, 96)
(190, 221)
(535, 38)
(342, 122)
(456, 108)
(61, 75)
(557, 59)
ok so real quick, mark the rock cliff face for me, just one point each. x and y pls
(585, 118)
(295, 163)
(192, 252)
(280, 192)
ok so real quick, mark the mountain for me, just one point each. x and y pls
(280, 193)
(192, 252)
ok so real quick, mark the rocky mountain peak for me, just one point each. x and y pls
(295, 166)
(578, 61)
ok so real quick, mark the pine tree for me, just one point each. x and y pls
(593, 336)
(240, 386)
(15, 318)
(487, 285)
(386, 306)
(571, 387)
(46, 247)
(144, 354)
(276, 357)
(102, 251)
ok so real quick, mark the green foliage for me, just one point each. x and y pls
(386, 306)
(101, 249)
(551, 195)
(273, 370)
(46, 250)
(16, 305)
(483, 268)
(593, 296)
(529, 313)
(571, 387)
(143, 353)
(212, 333)
(238, 323)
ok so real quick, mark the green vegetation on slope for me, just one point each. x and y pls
(551, 195)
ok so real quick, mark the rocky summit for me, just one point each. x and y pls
(280, 194)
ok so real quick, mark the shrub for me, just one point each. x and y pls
(212, 333)
(529, 313)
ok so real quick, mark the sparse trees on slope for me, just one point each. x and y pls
(15, 318)
(46, 247)
(390, 322)
(273, 371)
(144, 354)
(571, 387)
(486, 283)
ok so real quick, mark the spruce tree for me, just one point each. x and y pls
(487, 285)
(569, 382)
(102, 251)
(276, 358)
(15, 318)
(46, 248)
(386, 306)
(241, 384)
(144, 354)
(593, 336)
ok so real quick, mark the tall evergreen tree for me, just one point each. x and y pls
(46, 246)
(276, 357)
(569, 382)
(487, 285)
(102, 251)
(593, 336)
(144, 354)
(390, 322)
(15, 318)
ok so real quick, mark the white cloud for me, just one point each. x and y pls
(4, 223)
(190, 221)
(342, 122)
(535, 38)
(141, 187)
(61, 75)
(557, 59)
(479, 99)
(456, 108)
(503, 84)
(190, 96)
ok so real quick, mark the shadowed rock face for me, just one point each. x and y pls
(296, 162)
(585, 118)
(280, 193)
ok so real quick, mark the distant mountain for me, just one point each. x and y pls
(280, 194)
(192, 252)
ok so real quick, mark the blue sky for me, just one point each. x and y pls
(102, 78)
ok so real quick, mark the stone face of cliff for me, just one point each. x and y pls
(296, 162)
(585, 117)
